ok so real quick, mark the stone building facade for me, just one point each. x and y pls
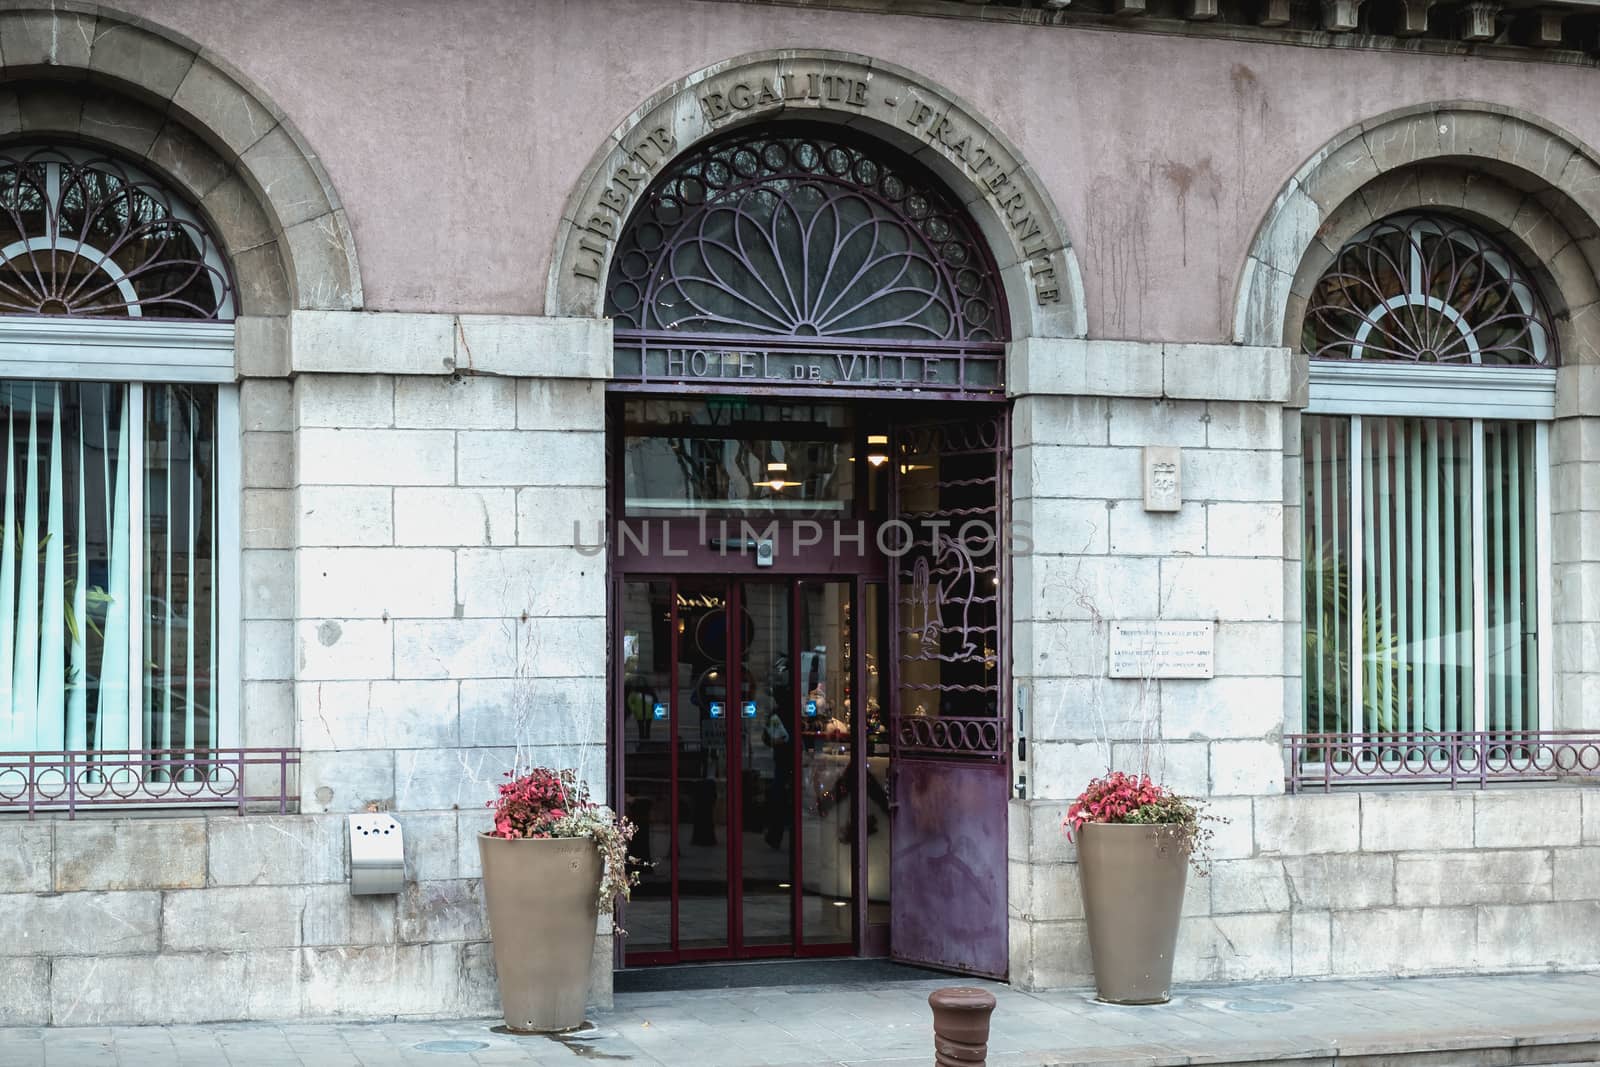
(419, 401)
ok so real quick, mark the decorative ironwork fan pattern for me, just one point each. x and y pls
(801, 236)
(86, 235)
(1427, 290)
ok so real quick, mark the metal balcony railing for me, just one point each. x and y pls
(1458, 759)
(69, 781)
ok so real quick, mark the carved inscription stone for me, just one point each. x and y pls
(602, 226)
(1163, 478)
(786, 83)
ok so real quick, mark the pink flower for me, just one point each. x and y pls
(1113, 798)
(530, 803)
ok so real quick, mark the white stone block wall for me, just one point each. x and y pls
(1083, 412)
(108, 921)
(1098, 557)
(267, 538)
(1575, 547)
(1346, 885)
(1356, 883)
(416, 621)
(447, 629)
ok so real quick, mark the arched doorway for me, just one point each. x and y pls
(808, 472)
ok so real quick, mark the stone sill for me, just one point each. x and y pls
(418, 343)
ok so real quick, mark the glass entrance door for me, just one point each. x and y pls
(741, 749)
(766, 771)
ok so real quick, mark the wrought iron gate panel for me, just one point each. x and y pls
(949, 582)
(947, 719)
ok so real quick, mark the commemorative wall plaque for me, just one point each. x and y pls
(1161, 648)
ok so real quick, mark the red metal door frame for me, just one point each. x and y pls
(733, 600)
(701, 563)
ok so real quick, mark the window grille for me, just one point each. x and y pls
(86, 235)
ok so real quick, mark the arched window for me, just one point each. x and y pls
(1426, 487)
(121, 469)
(798, 238)
(1427, 290)
(84, 234)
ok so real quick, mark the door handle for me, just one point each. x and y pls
(764, 549)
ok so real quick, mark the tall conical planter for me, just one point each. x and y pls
(1133, 878)
(543, 902)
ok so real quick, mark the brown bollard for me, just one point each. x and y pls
(961, 1026)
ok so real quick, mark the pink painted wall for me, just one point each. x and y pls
(454, 130)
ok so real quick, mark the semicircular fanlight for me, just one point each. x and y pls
(802, 235)
(83, 234)
(1427, 289)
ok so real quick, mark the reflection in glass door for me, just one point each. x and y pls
(766, 777)
(828, 764)
(703, 727)
(645, 735)
(874, 630)
(741, 744)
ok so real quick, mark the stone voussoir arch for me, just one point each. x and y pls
(1505, 167)
(1019, 222)
(86, 72)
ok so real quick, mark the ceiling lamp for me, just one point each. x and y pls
(776, 480)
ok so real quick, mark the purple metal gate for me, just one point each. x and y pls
(948, 716)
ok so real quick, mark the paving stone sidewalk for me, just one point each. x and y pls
(1448, 1022)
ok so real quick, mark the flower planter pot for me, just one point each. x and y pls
(1133, 878)
(543, 902)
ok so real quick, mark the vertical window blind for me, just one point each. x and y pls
(1421, 574)
(109, 624)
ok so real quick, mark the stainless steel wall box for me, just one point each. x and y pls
(377, 854)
